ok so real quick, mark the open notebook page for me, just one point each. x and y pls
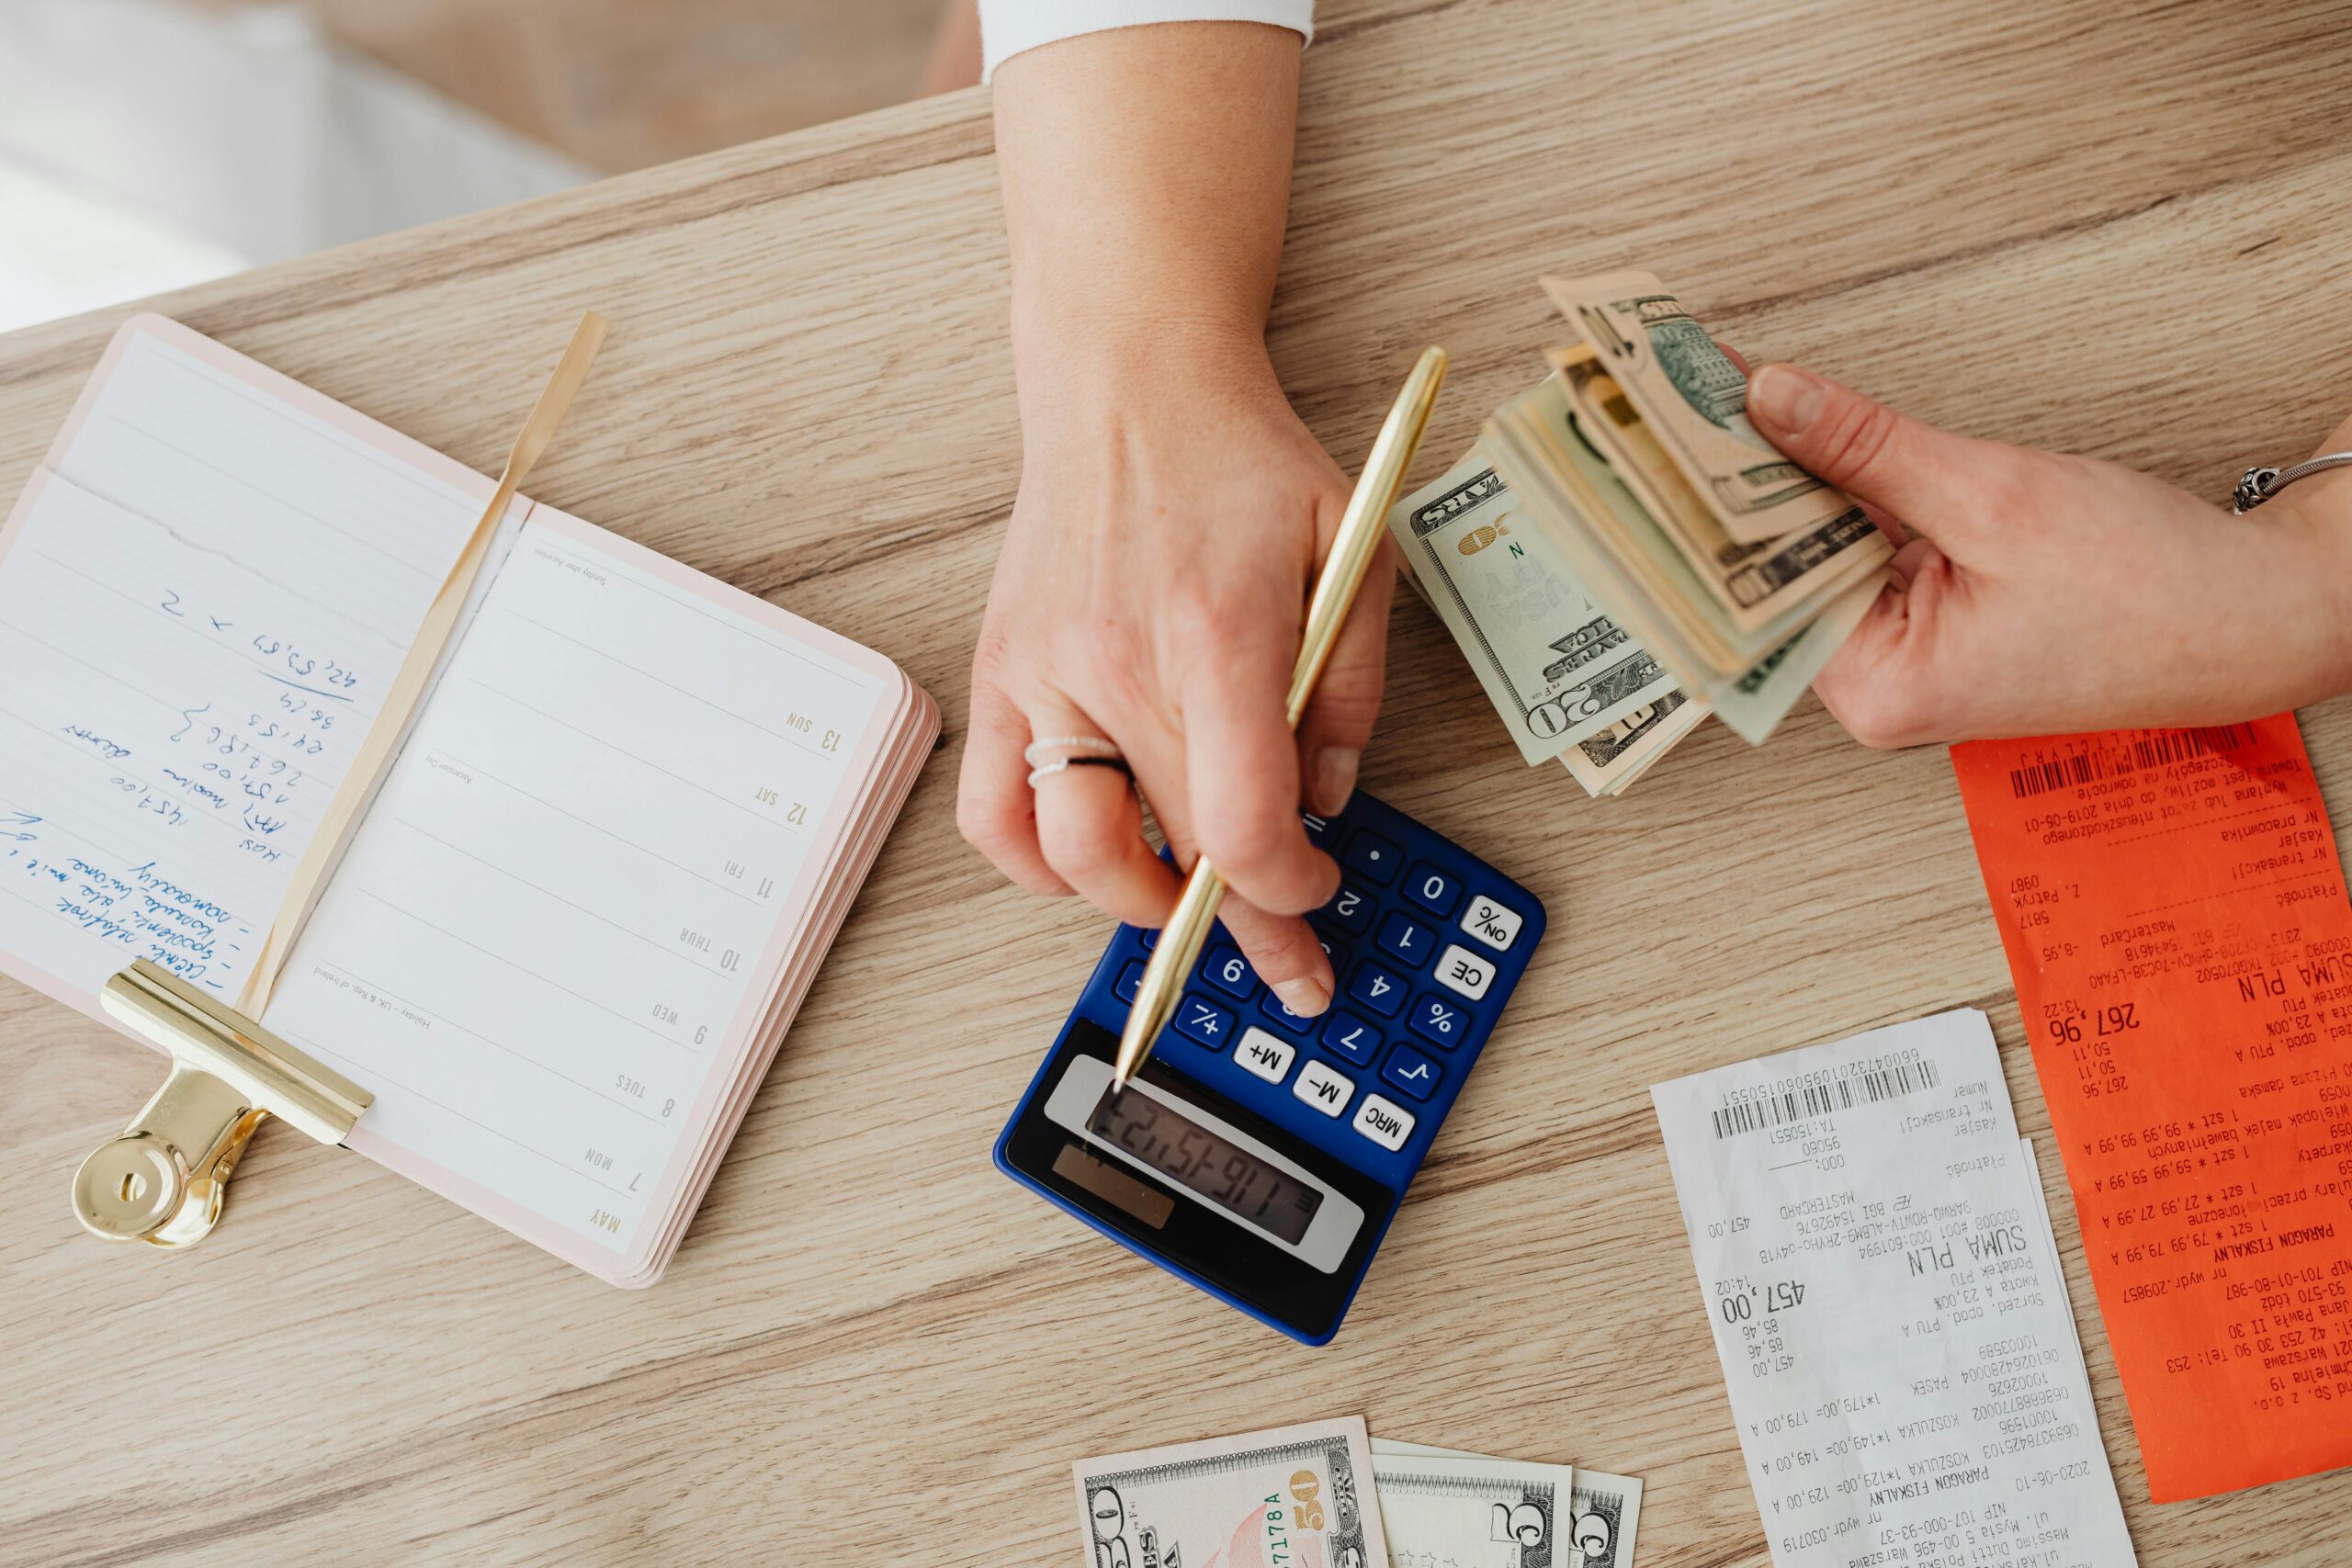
(202, 600)
(557, 929)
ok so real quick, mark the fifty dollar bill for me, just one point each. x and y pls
(1291, 1497)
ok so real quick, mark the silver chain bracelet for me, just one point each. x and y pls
(2260, 484)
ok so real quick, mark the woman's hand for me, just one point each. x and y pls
(2041, 594)
(1152, 588)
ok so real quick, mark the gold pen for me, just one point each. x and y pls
(1327, 609)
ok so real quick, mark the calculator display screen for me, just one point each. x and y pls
(1215, 1169)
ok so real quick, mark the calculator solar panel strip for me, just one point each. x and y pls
(1260, 1155)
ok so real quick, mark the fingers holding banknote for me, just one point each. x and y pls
(2043, 593)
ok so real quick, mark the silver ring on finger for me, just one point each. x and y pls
(1063, 765)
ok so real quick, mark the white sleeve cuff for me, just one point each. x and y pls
(1008, 27)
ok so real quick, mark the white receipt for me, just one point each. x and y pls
(1889, 1308)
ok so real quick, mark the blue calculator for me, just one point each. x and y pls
(1258, 1154)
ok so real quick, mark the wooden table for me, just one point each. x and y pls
(2051, 222)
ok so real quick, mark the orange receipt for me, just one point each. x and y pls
(2175, 916)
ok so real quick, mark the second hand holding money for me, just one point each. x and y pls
(2041, 594)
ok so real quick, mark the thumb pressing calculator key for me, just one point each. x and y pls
(1260, 1155)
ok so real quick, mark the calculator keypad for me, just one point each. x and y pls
(1429, 949)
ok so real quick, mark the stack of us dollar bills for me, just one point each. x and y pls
(1327, 1494)
(1622, 553)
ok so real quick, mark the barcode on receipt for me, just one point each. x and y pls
(1802, 1102)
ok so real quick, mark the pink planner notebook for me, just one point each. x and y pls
(598, 876)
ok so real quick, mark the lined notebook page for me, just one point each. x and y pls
(557, 929)
(199, 610)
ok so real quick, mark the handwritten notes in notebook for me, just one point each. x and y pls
(202, 598)
(570, 903)
(597, 876)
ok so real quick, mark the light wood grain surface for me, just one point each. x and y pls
(2120, 229)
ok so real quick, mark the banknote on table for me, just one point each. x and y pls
(1291, 1497)
(1597, 1527)
(1693, 401)
(1465, 1511)
(1558, 670)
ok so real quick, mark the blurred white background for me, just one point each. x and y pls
(146, 145)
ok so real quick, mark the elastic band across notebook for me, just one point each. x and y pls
(350, 796)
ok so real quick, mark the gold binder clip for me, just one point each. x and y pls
(161, 1182)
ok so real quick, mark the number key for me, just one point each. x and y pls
(1229, 972)
(1334, 951)
(1274, 1008)
(1407, 940)
(1433, 890)
(1378, 990)
(1349, 909)
(1350, 1036)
